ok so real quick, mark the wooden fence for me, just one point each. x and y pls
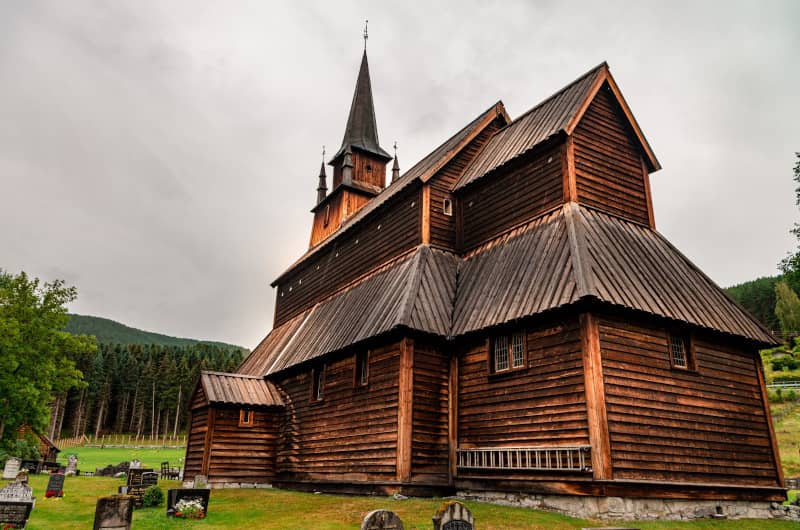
(122, 440)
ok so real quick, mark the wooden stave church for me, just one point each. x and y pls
(442, 333)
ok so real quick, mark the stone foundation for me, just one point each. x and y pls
(627, 508)
(236, 485)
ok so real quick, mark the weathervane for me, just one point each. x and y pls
(395, 148)
(323, 154)
(366, 35)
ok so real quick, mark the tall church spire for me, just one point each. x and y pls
(395, 165)
(362, 129)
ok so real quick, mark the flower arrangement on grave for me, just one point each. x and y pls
(190, 509)
(50, 493)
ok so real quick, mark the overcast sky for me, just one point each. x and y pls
(162, 155)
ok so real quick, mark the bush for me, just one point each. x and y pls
(153, 497)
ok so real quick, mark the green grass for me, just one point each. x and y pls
(90, 458)
(279, 509)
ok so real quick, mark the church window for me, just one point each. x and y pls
(245, 418)
(447, 206)
(318, 383)
(681, 351)
(508, 352)
(362, 368)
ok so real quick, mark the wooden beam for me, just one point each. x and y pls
(452, 416)
(212, 415)
(569, 183)
(405, 408)
(426, 214)
(776, 457)
(648, 197)
(595, 397)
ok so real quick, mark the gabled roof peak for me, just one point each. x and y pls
(362, 129)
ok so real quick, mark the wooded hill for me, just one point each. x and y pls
(137, 382)
(109, 331)
(758, 297)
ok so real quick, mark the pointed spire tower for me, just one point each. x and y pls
(395, 165)
(359, 166)
(322, 188)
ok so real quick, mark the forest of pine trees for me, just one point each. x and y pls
(138, 389)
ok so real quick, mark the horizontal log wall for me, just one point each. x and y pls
(443, 227)
(198, 425)
(429, 446)
(541, 405)
(351, 434)
(243, 454)
(352, 255)
(521, 192)
(608, 164)
(669, 424)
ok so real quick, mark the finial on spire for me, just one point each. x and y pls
(396, 165)
(366, 34)
(323, 154)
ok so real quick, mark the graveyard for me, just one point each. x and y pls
(281, 509)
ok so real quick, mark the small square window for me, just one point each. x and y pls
(362, 368)
(681, 351)
(508, 352)
(245, 418)
(447, 206)
(317, 383)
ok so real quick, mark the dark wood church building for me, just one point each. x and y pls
(502, 317)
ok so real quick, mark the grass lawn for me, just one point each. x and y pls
(279, 510)
(90, 458)
(787, 431)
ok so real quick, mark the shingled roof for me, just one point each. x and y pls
(421, 171)
(578, 253)
(239, 389)
(556, 115)
(416, 291)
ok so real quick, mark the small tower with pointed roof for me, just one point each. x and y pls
(359, 166)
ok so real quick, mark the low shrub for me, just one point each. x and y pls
(153, 497)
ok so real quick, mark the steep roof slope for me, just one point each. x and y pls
(239, 389)
(556, 115)
(422, 170)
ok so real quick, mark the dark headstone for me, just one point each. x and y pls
(113, 512)
(176, 495)
(382, 520)
(135, 475)
(149, 478)
(11, 469)
(453, 516)
(16, 503)
(55, 486)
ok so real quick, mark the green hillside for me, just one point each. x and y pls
(109, 331)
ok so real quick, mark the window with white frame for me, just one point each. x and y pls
(508, 352)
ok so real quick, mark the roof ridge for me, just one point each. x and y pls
(410, 296)
(580, 257)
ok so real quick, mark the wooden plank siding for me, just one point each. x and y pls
(429, 446)
(243, 454)
(349, 435)
(443, 227)
(198, 425)
(522, 191)
(352, 255)
(541, 405)
(666, 424)
(608, 162)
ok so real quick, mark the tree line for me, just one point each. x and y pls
(143, 390)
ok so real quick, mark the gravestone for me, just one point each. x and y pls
(381, 520)
(113, 512)
(16, 503)
(11, 469)
(135, 475)
(32, 466)
(200, 481)
(55, 486)
(136, 464)
(22, 476)
(72, 465)
(453, 516)
(176, 495)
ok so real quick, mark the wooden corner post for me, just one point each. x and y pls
(212, 417)
(452, 417)
(776, 458)
(595, 397)
(405, 407)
